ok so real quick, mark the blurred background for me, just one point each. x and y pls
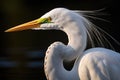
(22, 53)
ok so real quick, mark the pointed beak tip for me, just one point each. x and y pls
(9, 30)
(6, 31)
(25, 26)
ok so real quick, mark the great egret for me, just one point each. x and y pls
(92, 64)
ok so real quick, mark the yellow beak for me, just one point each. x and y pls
(25, 26)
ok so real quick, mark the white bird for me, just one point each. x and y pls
(92, 64)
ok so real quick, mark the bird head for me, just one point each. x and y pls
(54, 19)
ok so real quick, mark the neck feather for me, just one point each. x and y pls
(53, 64)
(77, 40)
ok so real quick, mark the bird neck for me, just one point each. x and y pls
(59, 52)
(77, 39)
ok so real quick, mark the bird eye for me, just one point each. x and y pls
(44, 20)
(47, 20)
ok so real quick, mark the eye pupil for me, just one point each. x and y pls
(49, 19)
